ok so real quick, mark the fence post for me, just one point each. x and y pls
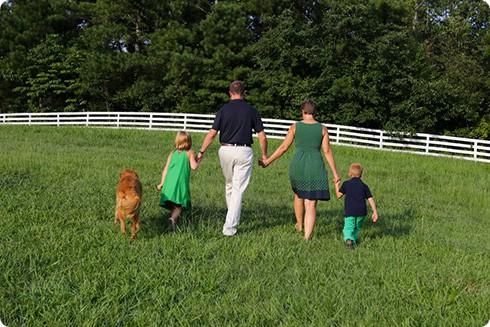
(30, 115)
(381, 139)
(427, 144)
(475, 150)
(185, 122)
(58, 120)
(338, 135)
(151, 120)
(86, 120)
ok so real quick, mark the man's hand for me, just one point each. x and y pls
(264, 162)
(199, 157)
(375, 217)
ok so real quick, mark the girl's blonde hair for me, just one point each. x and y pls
(355, 170)
(183, 141)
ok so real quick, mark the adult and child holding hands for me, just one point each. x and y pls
(236, 121)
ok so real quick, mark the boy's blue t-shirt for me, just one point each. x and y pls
(355, 194)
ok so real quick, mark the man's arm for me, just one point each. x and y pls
(263, 144)
(206, 143)
(373, 207)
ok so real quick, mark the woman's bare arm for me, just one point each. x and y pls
(327, 151)
(288, 140)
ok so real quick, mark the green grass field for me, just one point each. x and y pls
(64, 263)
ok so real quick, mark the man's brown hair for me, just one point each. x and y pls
(355, 170)
(308, 107)
(237, 87)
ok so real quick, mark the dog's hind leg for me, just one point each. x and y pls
(122, 220)
(135, 226)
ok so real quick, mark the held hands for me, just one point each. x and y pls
(264, 162)
(199, 157)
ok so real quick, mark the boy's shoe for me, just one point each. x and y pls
(171, 225)
(349, 244)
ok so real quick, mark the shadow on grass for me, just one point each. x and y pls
(391, 224)
(253, 220)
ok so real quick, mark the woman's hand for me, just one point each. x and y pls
(159, 186)
(264, 162)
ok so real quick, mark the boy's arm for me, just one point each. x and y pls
(337, 190)
(373, 207)
(164, 172)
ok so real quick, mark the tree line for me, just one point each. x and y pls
(407, 65)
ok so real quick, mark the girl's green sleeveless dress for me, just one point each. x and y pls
(176, 188)
(307, 170)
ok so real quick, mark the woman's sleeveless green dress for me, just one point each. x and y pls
(307, 170)
(176, 188)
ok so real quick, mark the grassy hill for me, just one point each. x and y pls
(63, 262)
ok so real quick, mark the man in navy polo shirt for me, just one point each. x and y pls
(236, 121)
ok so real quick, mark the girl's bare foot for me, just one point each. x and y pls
(298, 228)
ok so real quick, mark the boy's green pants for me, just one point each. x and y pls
(352, 226)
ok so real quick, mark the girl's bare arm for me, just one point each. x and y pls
(164, 172)
(192, 160)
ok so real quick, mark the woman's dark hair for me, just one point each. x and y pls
(308, 107)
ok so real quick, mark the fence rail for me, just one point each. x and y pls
(426, 144)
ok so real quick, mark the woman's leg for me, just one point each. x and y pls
(299, 212)
(310, 217)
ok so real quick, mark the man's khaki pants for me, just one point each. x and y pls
(236, 163)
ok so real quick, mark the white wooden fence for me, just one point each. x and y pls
(428, 144)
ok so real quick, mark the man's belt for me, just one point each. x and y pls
(235, 144)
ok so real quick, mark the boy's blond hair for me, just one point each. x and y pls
(183, 141)
(355, 170)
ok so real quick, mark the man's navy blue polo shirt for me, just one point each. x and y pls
(235, 122)
(355, 194)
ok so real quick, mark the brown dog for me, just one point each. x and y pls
(128, 200)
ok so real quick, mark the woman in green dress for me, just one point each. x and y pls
(175, 183)
(307, 170)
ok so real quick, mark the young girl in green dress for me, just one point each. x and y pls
(307, 170)
(174, 185)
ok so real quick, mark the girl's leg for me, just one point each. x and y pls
(299, 212)
(310, 217)
(174, 216)
(175, 213)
